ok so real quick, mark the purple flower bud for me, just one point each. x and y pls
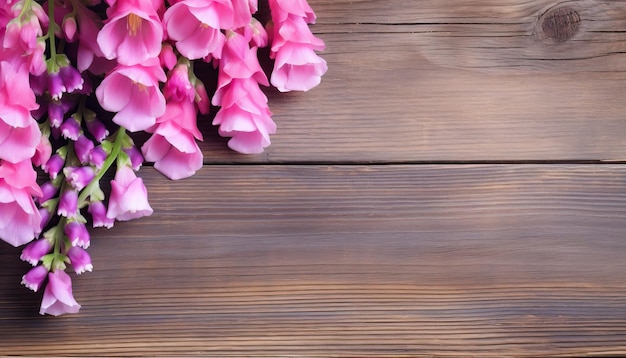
(45, 218)
(69, 28)
(38, 84)
(35, 250)
(82, 148)
(99, 215)
(35, 277)
(97, 129)
(70, 128)
(56, 113)
(77, 234)
(54, 165)
(49, 191)
(72, 79)
(80, 259)
(97, 157)
(79, 177)
(68, 204)
(136, 159)
(55, 85)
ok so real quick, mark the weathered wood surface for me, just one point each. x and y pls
(353, 261)
(340, 241)
(456, 80)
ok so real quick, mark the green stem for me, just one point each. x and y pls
(51, 38)
(117, 147)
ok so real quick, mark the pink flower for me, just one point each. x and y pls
(178, 87)
(297, 67)
(19, 132)
(132, 34)
(173, 147)
(57, 297)
(194, 26)
(68, 204)
(80, 259)
(35, 277)
(244, 115)
(129, 197)
(77, 233)
(99, 215)
(133, 92)
(35, 250)
(19, 218)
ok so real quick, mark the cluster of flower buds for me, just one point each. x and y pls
(78, 77)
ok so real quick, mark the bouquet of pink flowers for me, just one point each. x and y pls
(66, 64)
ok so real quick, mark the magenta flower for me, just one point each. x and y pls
(178, 87)
(173, 147)
(244, 115)
(57, 297)
(194, 26)
(79, 177)
(99, 215)
(19, 218)
(77, 233)
(68, 204)
(133, 92)
(129, 197)
(35, 277)
(297, 67)
(80, 260)
(132, 34)
(35, 250)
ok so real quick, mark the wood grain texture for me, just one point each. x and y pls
(454, 80)
(495, 260)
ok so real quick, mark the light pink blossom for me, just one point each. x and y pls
(19, 218)
(129, 197)
(297, 67)
(57, 297)
(173, 147)
(133, 92)
(132, 33)
(194, 26)
(245, 115)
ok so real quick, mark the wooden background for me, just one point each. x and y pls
(455, 186)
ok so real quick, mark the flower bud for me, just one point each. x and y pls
(77, 233)
(80, 259)
(35, 250)
(35, 277)
(68, 204)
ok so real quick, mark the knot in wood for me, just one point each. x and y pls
(559, 25)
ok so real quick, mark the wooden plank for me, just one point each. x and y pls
(490, 260)
(455, 81)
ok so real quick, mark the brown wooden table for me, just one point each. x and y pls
(455, 186)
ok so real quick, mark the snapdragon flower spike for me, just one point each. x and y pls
(297, 67)
(35, 250)
(245, 115)
(35, 277)
(77, 233)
